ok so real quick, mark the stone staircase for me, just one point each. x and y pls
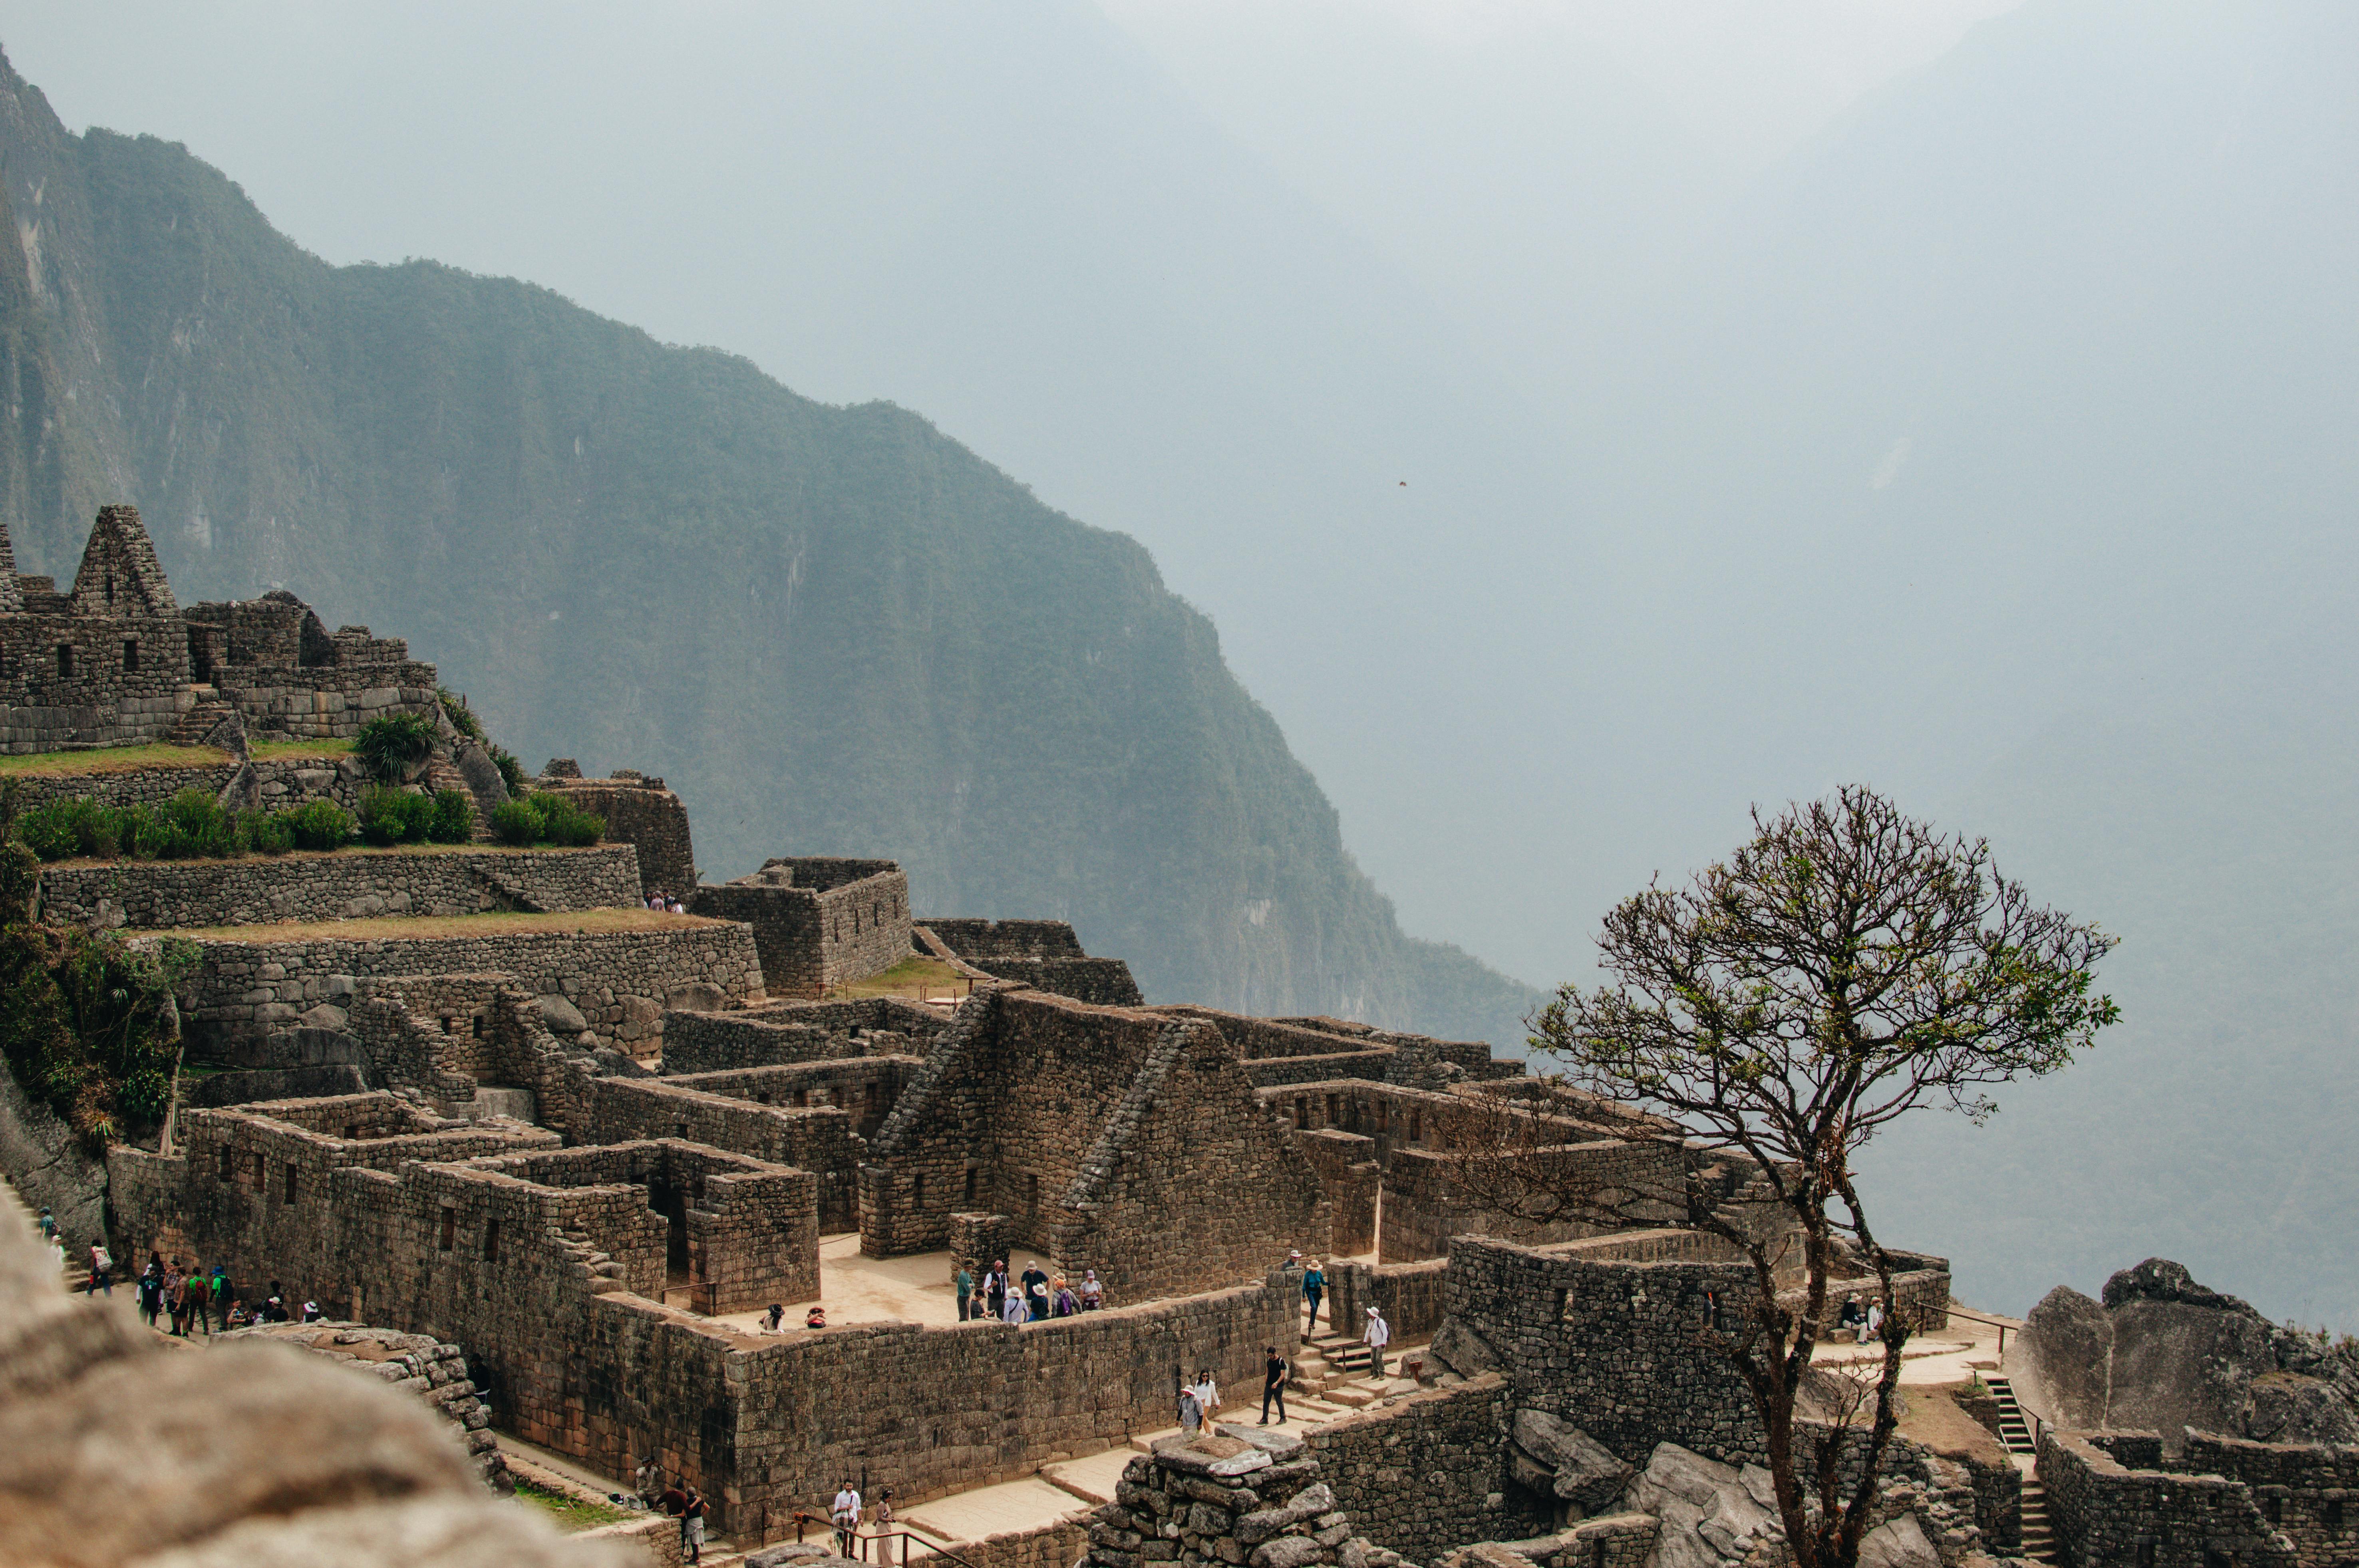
(208, 713)
(2038, 1530)
(2013, 1427)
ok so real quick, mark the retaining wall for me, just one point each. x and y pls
(345, 884)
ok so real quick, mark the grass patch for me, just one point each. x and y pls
(497, 923)
(915, 973)
(569, 1512)
(278, 751)
(110, 759)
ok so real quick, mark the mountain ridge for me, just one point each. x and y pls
(833, 629)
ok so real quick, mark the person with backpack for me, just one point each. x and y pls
(691, 1524)
(1273, 1384)
(151, 1290)
(844, 1512)
(101, 1260)
(199, 1294)
(1314, 1285)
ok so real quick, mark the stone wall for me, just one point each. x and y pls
(279, 782)
(1425, 1205)
(1103, 1134)
(864, 1088)
(1106, 982)
(977, 939)
(1610, 1346)
(1413, 1297)
(1348, 1172)
(345, 884)
(2129, 1515)
(820, 1141)
(254, 986)
(330, 702)
(702, 1042)
(46, 1162)
(1268, 1072)
(1425, 1472)
(641, 812)
(817, 923)
(2308, 1492)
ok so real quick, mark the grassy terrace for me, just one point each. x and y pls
(916, 977)
(587, 921)
(141, 759)
(569, 1512)
(353, 851)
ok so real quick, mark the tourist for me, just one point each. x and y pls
(845, 1512)
(274, 1311)
(1850, 1318)
(1314, 1285)
(199, 1292)
(1092, 1293)
(174, 1305)
(49, 1225)
(1871, 1321)
(691, 1525)
(219, 1293)
(994, 1286)
(101, 1260)
(311, 1311)
(1208, 1394)
(1036, 1291)
(776, 1315)
(1064, 1303)
(880, 1522)
(673, 1501)
(678, 907)
(1273, 1384)
(816, 1317)
(238, 1316)
(1013, 1310)
(151, 1290)
(1192, 1410)
(1378, 1336)
(964, 1283)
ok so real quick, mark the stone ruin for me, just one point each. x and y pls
(542, 1177)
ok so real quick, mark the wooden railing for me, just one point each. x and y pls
(864, 1540)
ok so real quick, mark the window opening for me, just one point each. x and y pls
(290, 1181)
(131, 654)
(225, 1167)
(490, 1241)
(65, 661)
(970, 1186)
(450, 1228)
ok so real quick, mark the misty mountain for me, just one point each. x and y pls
(831, 629)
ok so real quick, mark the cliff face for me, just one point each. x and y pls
(831, 630)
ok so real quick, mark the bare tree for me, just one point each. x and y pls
(1844, 968)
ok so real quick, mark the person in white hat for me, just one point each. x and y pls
(1378, 1336)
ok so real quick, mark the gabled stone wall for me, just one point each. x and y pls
(820, 1142)
(1103, 1134)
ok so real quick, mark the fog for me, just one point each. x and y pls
(1581, 420)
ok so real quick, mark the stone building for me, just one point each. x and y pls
(818, 921)
(1042, 954)
(115, 659)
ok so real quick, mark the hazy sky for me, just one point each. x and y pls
(1581, 420)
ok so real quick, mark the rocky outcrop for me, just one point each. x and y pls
(414, 1363)
(2162, 1353)
(46, 1162)
(1711, 1513)
(1565, 1462)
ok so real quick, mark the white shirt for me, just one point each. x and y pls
(1378, 1336)
(847, 1506)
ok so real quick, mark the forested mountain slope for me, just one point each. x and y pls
(830, 629)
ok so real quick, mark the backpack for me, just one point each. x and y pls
(100, 1258)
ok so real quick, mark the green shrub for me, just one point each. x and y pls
(453, 820)
(86, 1025)
(514, 822)
(511, 771)
(265, 832)
(318, 825)
(581, 830)
(53, 830)
(390, 816)
(199, 826)
(389, 745)
(462, 718)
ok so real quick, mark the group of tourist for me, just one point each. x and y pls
(1862, 1322)
(661, 905)
(1030, 1297)
(192, 1298)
